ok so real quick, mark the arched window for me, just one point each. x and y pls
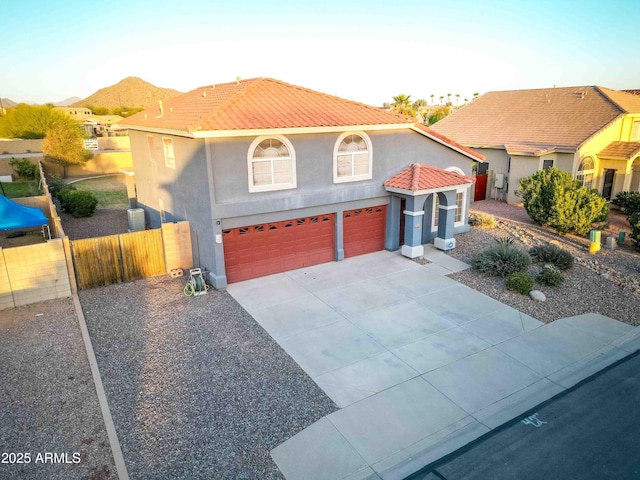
(352, 158)
(272, 164)
(586, 171)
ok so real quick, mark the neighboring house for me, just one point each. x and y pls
(591, 132)
(273, 177)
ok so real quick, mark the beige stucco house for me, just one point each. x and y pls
(591, 132)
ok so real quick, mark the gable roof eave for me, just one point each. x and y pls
(447, 142)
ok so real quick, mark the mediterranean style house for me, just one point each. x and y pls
(591, 132)
(273, 177)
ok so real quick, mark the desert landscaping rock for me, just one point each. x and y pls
(606, 283)
(537, 295)
(47, 397)
(197, 389)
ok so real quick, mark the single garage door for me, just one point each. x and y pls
(364, 230)
(260, 250)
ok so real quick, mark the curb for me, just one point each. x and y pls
(114, 443)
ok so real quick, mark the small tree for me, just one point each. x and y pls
(64, 145)
(439, 113)
(551, 197)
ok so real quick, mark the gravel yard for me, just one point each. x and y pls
(197, 388)
(103, 222)
(48, 401)
(607, 283)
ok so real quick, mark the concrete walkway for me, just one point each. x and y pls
(419, 364)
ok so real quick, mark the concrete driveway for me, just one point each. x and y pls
(419, 364)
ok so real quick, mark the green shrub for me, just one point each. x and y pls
(483, 220)
(57, 187)
(78, 203)
(551, 197)
(24, 168)
(634, 221)
(502, 260)
(520, 282)
(552, 254)
(551, 276)
(629, 202)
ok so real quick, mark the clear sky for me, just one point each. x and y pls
(366, 51)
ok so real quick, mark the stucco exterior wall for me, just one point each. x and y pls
(209, 186)
(619, 130)
(183, 191)
(392, 151)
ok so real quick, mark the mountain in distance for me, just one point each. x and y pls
(131, 92)
(67, 101)
(7, 102)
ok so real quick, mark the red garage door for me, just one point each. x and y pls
(259, 250)
(364, 230)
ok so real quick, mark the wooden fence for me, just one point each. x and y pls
(118, 258)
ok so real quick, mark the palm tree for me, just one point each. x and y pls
(457, 99)
(475, 95)
(466, 100)
(432, 95)
(402, 104)
(448, 98)
(441, 98)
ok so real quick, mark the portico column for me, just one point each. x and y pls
(446, 220)
(413, 214)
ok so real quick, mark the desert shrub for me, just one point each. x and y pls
(78, 203)
(24, 168)
(550, 276)
(629, 202)
(502, 260)
(634, 221)
(483, 220)
(520, 282)
(505, 240)
(562, 259)
(551, 197)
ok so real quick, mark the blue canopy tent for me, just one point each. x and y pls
(14, 216)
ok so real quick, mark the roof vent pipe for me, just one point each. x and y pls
(161, 109)
(237, 80)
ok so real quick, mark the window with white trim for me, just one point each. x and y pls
(585, 173)
(169, 158)
(458, 218)
(547, 163)
(272, 164)
(352, 158)
(635, 130)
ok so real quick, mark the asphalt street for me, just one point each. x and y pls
(589, 432)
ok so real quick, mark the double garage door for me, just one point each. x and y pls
(258, 250)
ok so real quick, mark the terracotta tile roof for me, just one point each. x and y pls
(417, 177)
(539, 119)
(634, 92)
(620, 150)
(431, 132)
(260, 103)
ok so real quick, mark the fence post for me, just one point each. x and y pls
(71, 271)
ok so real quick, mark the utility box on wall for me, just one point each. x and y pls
(499, 180)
